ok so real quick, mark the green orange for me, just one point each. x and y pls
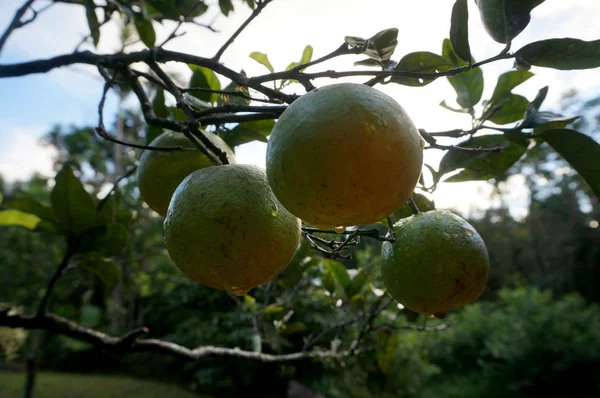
(225, 228)
(159, 173)
(344, 154)
(438, 262)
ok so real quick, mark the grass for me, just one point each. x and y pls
(68, 385)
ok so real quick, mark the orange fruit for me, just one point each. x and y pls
(438, 262)
(225, 228)
(344, 154)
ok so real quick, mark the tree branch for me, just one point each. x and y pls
(131, 342)
(16, 22)
(260, 5)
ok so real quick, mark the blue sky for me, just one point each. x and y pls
(30, 105)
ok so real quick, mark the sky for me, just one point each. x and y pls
(31, 105)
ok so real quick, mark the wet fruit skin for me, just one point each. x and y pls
(438, 262)
(159, 173)
(225, 228)
(344, 154)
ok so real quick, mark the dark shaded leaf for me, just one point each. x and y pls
(262, 59)
(18, 218)
(380, 47)
(226, 6)
(92, 19)
(71, 204)
(421, 62)
(580, 150)
(505, 19)
(367, 62)
(357, 283)
(423, 203)
(468, 85)
(106, 240)
(548, 120)
(204, 78)
(507, 82)
(231, 99)
(247, 132)
(563, 54)
(107, 270)
(291, 328)
(513, 108)
(339, 272)
(251, 3)
(387, 352)
(145, 30)
(536, 104)
(173, 10)
(328, 281)
(459, 30)
(480, 166)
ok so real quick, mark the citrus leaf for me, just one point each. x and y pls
(513, 108)
(291, 328)
(444, 105)
(274, 309)
(380, 47)
(357, 283)
(251, 303)
(506, 19)
(29, 205)
(507, 82)
(251, 3)
(307, 54)
(106, 240)
(421, 62)
(459, 29)
(580, 150)
(262, 59)
(563, 54)
(91, 316)
(71, 204)
(480, 166)
(468, 85)
(204, 78)
(328, 280)
(107, 270)
(257, 130)
(536, 104)
(18, 218)
(92, 19)
(423, 203)
(339, 272)
(367, 62)
(145, 30)
(387, 351)
(226, 6)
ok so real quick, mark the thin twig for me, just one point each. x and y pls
(434, 145)
(57, 274)
(15, 23)
(260, 5)
(181, 21)
(127, 174)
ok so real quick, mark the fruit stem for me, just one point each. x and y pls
(413, 205)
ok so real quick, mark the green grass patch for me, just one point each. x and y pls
(68, 385)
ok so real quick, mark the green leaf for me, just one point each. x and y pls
(1, 198)
(468, 85)
(505, 19)
(459, 29)
(107, 270)
(92, 19)
(357, 283)
(251, 4)
(247, 132)
(581, 151)
(367, 62)
(291, 328)
(71, 204)
(480, 166)
(274, 309)
(387, 352)
(29, 205)
(444, 105)
(91, 316)
(536, 104)
(106, 240)
(18, 218)
(507, 82)
(563, 54)
(513, 108)
(547, 120)
(173, 10)
(339, 272)
(204, 78)
(251, 303)
(145, 30)
(380, 47)
(160, 109)
(307, 54)
(328, 281)
(226, 6)
(230, 99)
(423, 203)
(262, 59)
(420, 62)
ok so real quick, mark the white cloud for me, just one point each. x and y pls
(21, 155)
